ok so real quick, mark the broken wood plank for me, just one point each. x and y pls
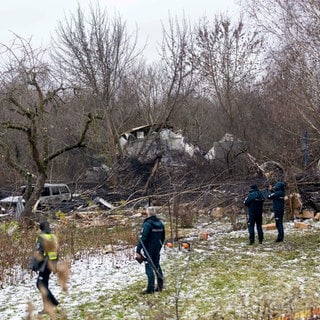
(301, 225)
(269, 226)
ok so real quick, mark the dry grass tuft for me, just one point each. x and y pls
(30, 309)
(63, 272)
(48, 307)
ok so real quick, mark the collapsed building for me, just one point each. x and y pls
(162, 160)
(228, 146)
(154, 141)
(158, 161)
(151, 141)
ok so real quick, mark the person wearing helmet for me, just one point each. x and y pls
(277, 194)
(254, 202)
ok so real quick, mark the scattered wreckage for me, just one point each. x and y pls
(54, 198)
(159, 147)
(159, 140)
(52, 194)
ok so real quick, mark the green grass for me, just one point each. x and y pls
(232, 281)
(222, 278)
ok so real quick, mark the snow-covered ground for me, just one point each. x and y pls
(92, 275)
(232, 277)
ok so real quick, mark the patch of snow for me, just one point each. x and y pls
(93, 274)
(103, 275)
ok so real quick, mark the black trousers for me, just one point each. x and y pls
(278, 215)
(153, 270)
(43, 286)
(255, 219)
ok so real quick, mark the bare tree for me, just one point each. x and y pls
(150, 94)
(96, 53)
(227, 57)
(29, 94)
(178, 81)
(164, 87)
(293, 89)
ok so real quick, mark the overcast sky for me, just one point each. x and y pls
(39, 18)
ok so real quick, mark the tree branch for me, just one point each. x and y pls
(79, 144)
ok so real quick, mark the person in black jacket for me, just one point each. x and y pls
(277, 194)
(254, 202)
(151, 239)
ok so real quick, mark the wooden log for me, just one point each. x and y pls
(301, 225)
(269, 226)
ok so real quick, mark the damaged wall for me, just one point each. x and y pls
(222, 148)
(151, 142)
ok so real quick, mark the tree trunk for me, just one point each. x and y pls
(27, 213)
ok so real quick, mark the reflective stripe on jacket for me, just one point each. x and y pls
(48, 245)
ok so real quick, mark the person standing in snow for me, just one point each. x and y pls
(254, 202)
(44, 262)
(277, 194)
(148, 248)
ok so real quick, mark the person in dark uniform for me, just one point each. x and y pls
(277, 194)
(254, 202)
(44, 262)
(148, 248)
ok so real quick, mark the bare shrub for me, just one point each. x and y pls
(187, 215)
(17, 247)
(63, 272)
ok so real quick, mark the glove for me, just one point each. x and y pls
(34, 264)
(140, 258)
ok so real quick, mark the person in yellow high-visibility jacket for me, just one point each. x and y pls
(45, 260)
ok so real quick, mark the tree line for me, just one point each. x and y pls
(256, 76)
